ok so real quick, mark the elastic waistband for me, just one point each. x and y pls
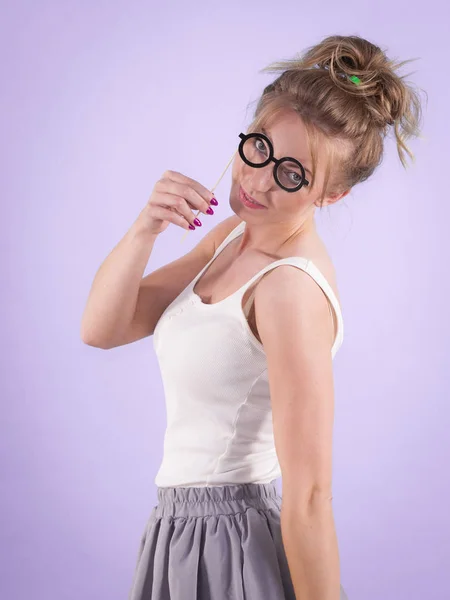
(215, 500)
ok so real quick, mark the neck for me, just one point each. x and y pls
(270, 238)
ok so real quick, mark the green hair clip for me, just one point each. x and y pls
(356, 80)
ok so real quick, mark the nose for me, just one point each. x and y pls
(260, 180)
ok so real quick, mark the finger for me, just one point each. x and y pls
(167, 214)
(191, 196)
(198, 187)
(178, 204)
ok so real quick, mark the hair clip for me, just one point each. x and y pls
(356, 80)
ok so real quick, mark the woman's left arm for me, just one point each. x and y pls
(297, 332)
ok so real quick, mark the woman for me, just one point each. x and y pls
(245, 342)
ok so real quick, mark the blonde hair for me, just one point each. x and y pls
(317, 87)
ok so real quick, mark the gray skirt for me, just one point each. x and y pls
(214, 543)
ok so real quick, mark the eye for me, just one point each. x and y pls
(260, 145)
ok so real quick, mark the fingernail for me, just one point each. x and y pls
(198, 222)
(214, 202)
(191, 226)
(210, 211)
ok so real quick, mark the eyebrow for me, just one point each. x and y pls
(263, 130)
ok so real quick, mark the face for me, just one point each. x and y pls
(289, 138)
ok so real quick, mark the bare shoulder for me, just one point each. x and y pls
(316, 251)
(291, 309)
(296, 297)
(326, 267)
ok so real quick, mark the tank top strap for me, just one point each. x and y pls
(309, 267)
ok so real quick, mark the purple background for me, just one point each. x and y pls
(98, 100)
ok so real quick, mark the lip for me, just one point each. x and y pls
(243, 195)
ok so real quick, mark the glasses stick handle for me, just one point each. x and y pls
(212, 190)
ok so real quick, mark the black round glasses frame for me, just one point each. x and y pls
(244, 137)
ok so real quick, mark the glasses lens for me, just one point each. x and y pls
(289, 174)
(256, 150)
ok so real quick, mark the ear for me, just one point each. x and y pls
(332, 198)
(342, 194)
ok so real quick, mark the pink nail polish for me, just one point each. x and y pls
(197, 222)
(214, 202)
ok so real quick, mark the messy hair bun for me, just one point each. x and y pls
(387, 97)
(348, 88)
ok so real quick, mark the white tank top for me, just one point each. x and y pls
(214, 373)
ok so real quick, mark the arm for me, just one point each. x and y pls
(123, 306)
(296, 329)
(113, 295)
